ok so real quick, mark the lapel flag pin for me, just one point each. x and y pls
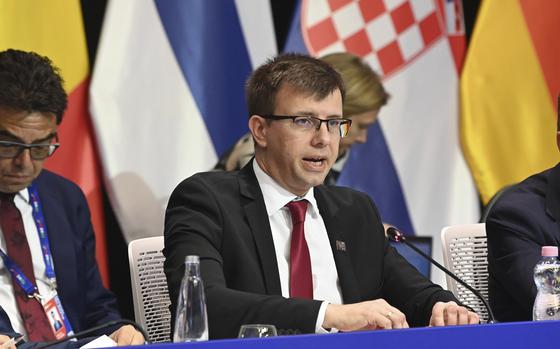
(340, 245)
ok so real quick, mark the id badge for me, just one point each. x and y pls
(57, 317)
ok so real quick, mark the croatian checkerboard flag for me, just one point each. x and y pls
(411, 165)
(167, 95)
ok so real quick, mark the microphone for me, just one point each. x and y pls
(398, 237)
(89, 331)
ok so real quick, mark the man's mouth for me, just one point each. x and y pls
(16, 177)
(315, 161)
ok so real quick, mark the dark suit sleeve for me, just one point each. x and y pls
(514, 242)
(7, 330)
(100, 304)
(5, 325)
(195, 225)
(407, 289)
(404, 287)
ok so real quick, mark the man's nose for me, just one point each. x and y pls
(23, 159)
(322, 134)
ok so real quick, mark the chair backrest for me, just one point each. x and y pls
(465, 254)
(149, 287)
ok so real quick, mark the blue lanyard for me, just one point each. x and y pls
(17, 274)
(42, 230)
(27, 286)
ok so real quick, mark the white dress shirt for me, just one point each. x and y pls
(7, 295)
(326, 286)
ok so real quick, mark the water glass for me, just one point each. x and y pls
(257, 331)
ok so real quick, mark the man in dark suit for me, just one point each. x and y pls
(525, 218)
(278, 247)
(45, 224)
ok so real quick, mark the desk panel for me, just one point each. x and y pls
(492, 336)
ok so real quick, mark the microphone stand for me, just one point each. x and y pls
(399, 237)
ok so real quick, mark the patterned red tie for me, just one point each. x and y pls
(301, 284)
(31, 311)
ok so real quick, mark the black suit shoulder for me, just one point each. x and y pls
(517, 226)
(522, 209)
(60, 182)
(60, 187)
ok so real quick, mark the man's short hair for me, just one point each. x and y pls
(305, 74)
(30, 82)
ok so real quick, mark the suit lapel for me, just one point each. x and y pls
(62, 252)
(257, 216)
(338, 240)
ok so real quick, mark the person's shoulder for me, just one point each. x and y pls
(52, 186)
(521, 205)
(527, 194)
(213, 177)
(209, 179)
(51, 181)
(341, 194)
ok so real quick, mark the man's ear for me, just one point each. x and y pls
(259, 128)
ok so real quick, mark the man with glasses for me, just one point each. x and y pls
(278, 247)
(49, 281)
(365, 96)
(524, 218)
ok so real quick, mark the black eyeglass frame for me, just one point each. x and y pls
(22, 146)
(344, 121)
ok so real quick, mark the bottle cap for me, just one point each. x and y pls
(549, 251)
(195, 259)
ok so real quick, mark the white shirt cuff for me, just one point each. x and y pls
(321, 318)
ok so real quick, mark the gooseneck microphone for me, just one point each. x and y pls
(399, 237)
(92, 330)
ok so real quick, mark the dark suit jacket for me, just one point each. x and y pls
(7, 330)
(86, 302)
(221, 217)
(525, 218)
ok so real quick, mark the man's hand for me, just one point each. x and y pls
(368, 315)
(127, 335)
(4, 342)
(444, 314)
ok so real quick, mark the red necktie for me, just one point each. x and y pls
(34, 319)
(301, 284)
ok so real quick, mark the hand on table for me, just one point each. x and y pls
(445, 314)
(369, 315)
(127, 335)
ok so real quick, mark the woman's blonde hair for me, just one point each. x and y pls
(364, 91)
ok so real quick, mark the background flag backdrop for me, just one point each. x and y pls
(412, 164)
(167, 95)
(55, 29)
(508, 89)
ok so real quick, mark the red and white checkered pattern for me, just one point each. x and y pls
(386, 33)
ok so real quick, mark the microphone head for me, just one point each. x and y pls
(395, 235)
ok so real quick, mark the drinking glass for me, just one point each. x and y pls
(257, 331)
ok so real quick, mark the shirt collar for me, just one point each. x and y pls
(23, 195)
(276, 197)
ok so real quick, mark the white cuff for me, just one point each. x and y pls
(321, 318)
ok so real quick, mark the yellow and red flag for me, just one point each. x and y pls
(55, 29)
(508, 89)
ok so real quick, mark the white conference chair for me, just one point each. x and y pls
(465, 254)
(149, 287)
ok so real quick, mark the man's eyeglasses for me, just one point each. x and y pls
(10, 150)
(335, 126)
